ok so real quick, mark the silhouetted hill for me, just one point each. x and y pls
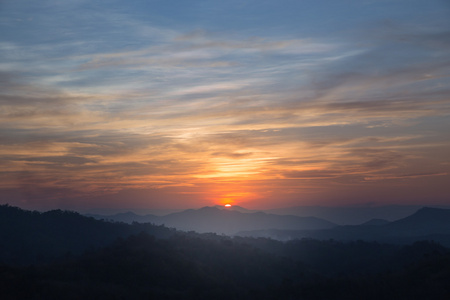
(144, 261)
(127, 217)
(425, 221)
(31, 236)
(192, 266)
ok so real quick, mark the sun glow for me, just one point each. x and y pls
(227, 205)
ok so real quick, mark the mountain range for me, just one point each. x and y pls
(221, 220)
(353, 215)
(59, 254)
(425, 224)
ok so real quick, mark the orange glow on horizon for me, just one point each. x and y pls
(227, 205)
(233, 193)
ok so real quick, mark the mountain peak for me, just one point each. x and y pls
(230, 220)
(431, 213)
(235, 208)
(425, 220)
(427, 210)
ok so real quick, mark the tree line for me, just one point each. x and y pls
(65, 255)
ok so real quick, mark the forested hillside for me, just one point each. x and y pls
(143, 261)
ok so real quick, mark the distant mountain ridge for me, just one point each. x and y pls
(211, 219)
(237, 208)
(224, 220)
(58, 253)
(425, 224)
(425, 221)
(353, 215)
(345, 215)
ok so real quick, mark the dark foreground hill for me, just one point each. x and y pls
(32, 237)
(159, 263)
(195, 267)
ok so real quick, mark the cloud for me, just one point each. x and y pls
(403, 176)
(235, 155)
(112, 101)
(57, 160)
(393, 61)
(310, 175)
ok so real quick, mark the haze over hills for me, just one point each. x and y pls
(211, 219)
(57, 253)
(343, 215)
(353, 215)
(375, 222)
(129, 216)
(223, 220)
(425, 224)
(126, 217)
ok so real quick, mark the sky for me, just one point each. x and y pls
(165, 104)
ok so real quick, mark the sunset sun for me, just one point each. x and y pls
(227, 205)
